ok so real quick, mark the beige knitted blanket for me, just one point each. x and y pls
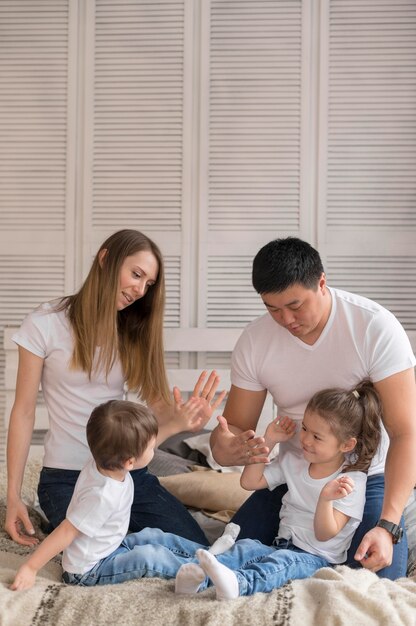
(332, 597)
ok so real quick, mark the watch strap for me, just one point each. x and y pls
(394, 529)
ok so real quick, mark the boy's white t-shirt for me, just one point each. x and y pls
(100, 509)
(300, 501)
(360, 340)
(69, 394)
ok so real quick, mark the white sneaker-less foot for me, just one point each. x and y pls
(224, 579)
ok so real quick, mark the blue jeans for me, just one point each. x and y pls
(153, 553)
(153, 505)
(259, 519)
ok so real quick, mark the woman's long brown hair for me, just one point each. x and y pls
(134, 334)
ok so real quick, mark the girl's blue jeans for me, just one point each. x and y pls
(153, 506)
(153, 553)
(259, 515)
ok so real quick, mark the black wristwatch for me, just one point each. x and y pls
(395, 530)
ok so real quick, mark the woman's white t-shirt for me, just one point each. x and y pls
(69, 394)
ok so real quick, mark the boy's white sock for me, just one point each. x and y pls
(227, 539)
(224, 579)
(189, 578)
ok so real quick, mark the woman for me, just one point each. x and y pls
(86, 349)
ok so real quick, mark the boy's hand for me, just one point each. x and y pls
(24, 579)
(338, 488)
(280, 429)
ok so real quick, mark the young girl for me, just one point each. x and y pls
(86, 349)
(323, 506)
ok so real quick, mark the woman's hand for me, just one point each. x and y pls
(204, 395)
(18, 524)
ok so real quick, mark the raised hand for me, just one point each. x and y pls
(339, 487)
(280, 429)
(204, 394)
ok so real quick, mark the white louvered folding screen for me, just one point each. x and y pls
(251, 147)
(213, 126)
(138, 100)
(368, 165)
(36, 171)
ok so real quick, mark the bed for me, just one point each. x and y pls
(332, 596)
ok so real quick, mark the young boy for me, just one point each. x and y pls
(93, 536)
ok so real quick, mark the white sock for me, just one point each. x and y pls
(224, 579)
(227, 539)
(189, 578)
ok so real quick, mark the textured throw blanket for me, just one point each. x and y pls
(332, 597)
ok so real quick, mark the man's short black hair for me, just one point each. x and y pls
(282, 263)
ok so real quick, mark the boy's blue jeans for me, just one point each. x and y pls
(259, 515)
(153, 505)
(153, 553)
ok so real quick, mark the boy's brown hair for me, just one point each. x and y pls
(119, 430)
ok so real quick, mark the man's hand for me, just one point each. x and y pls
(376, 549)
(242, 449)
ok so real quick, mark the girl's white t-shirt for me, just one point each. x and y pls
(300, 501)
(69, 394)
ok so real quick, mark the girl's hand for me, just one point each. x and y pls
(338, 488)
(205, 395)
(187, 414)
(280, 429)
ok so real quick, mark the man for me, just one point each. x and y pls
(314, 337)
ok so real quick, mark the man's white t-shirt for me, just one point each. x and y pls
(360, 340)
(299, 505)
(100, 510)
(69, 394)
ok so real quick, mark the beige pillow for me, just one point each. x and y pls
(210, 490)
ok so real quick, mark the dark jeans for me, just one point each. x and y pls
(259, 519)
(152, 507)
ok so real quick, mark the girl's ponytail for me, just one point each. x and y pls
(370, 436)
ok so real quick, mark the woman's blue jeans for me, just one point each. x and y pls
(153, 553)
(259, 519)
(153, 505)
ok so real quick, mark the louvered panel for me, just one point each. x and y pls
(387, 279)
(33, 114)
(138, 114)
(23, 286)
(254, 115)
(173, 284)
(371, 175)
(231, 299)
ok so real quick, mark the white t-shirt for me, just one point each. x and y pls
(360, 340)
(100, 510)
(69, 394)
(299, 505)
